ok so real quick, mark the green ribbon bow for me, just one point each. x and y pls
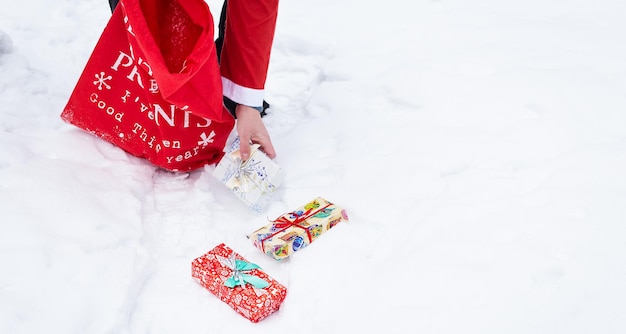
(239, 277)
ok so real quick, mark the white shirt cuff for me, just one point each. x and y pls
(242, 95)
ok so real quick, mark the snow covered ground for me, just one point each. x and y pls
(479, 148)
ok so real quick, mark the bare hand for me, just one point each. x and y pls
(251, 129)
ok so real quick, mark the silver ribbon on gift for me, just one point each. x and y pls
(243, 178)
(239, 274)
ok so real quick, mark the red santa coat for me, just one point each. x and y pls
(248, 38)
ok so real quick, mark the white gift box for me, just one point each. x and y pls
(255, 180)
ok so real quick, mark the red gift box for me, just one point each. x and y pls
(228, 276)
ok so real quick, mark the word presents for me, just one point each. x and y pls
(134, 75)
(172, 117)
(136, 67)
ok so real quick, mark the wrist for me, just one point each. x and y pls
(232, 107)
(244, 109)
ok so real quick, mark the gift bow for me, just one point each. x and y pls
(282, 223)
(242, 177)
(239, 277)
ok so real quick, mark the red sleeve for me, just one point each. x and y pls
(248, 37)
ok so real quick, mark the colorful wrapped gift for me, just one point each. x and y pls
(254, 180)
(240, 284)
(295, 230)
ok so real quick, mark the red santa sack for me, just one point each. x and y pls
(152, 85)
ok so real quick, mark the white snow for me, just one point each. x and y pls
(479, 148)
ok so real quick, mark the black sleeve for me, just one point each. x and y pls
(113, 4)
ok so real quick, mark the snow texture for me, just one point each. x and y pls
(479, 148)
